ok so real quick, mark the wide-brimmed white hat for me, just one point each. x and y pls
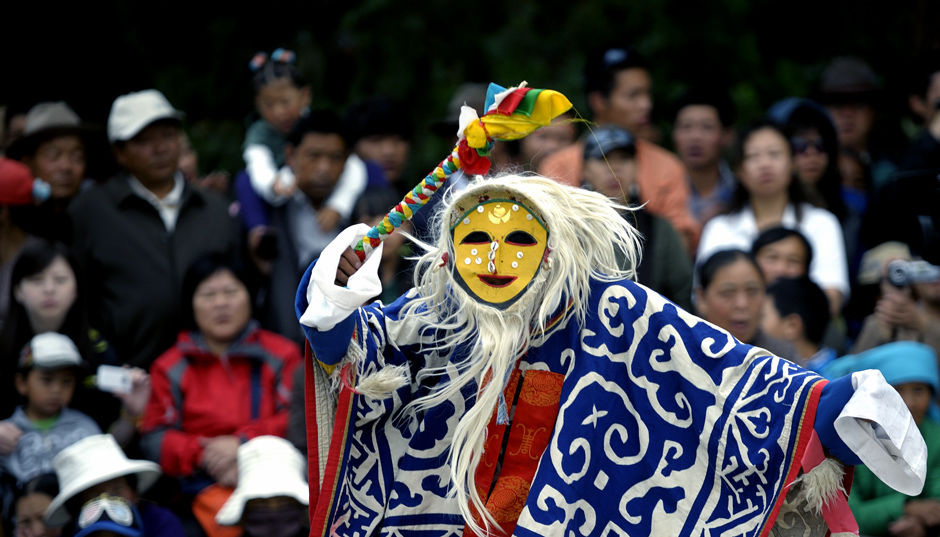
(89, 462)
(268, 466)
(131, 113)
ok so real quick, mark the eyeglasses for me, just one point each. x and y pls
(802, 145)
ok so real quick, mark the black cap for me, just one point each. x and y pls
(599, 142)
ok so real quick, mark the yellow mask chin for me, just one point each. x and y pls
(498, 246)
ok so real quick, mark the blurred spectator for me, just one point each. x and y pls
(769, 195)
(782, 253)
(383, 132)
(851, 91)
(796, 310)
(282, 99)
(786, 253)
(924, 100)
(906, 311)
(225, 381)
(272, 494)
(18, 192)
(47, 296)
(911, 368)
(48, 371)
(31, 504)
(96, 465)
(618, 88)
(546, 141)
(610, 168)
(815, 151)
(317, 153)
(730, 292)
(54, 146)
(703, 129)
(816, 161)
(138, 232)
(217, 181)
(108, 516)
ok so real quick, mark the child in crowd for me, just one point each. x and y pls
(796, 310)
(31, 504)
(911, 368)
(281, 99)
(96, 465)
(46, 297)
(272, 494)
(782, 252)
(46, 378)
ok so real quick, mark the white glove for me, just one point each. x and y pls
(328, 303)
(878, 427)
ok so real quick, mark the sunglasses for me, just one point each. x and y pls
(802, 145)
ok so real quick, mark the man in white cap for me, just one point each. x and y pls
(140, 231)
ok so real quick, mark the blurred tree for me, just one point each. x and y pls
(420, 52)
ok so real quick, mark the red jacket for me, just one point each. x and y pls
(196, 395)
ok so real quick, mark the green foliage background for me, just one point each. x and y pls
(420, 51)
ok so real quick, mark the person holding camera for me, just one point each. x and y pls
(909, 307)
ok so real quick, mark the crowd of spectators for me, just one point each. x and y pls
(150, 355)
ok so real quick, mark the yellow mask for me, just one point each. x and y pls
(498, 246)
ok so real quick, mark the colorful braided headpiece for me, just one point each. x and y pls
(509, 114)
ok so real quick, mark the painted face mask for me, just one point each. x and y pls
(499, 245)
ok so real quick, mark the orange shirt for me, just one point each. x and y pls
(661, 179)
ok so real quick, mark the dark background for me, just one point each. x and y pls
(197, 53)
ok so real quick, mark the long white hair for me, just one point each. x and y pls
(588, 238)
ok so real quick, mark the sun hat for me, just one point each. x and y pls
(132, 112)
(268, 466)
(45, 121)
(111, 514)
(50, 350)
(89, 462)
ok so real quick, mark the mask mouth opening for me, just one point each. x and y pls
(494, 280)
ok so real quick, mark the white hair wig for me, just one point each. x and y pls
(589, 238)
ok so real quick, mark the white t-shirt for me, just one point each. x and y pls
(820, 227)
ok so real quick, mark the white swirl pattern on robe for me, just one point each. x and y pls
(667, 426)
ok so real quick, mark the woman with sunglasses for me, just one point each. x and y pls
(770, 194)
(817, 164)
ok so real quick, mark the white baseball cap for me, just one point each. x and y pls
(50, 350)
(131, 113)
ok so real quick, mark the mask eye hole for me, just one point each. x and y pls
(520, 238)
(476, 237)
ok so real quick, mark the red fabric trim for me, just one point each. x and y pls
(803, 438)
(318, 522)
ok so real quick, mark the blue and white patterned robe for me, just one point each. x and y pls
(667, 426)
